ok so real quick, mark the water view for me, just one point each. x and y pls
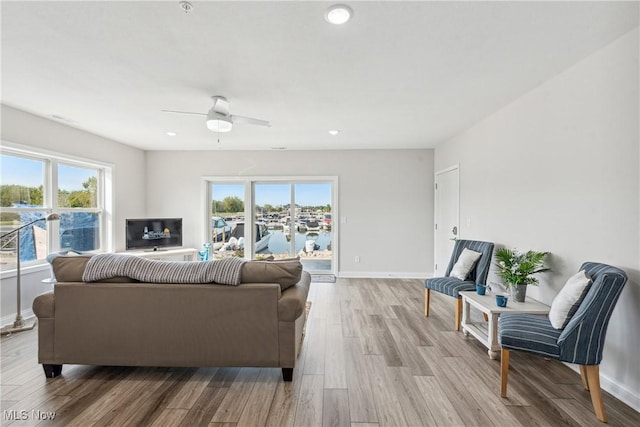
(279, 243)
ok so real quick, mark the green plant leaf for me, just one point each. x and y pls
(517, 268)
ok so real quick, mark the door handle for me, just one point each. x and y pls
(454, 231)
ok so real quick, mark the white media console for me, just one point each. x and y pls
(184, 254)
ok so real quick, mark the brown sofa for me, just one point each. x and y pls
(120, 322)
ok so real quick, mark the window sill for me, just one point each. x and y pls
(31, 268)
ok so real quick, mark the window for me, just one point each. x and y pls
(34, 185)
(287, 217)
(78, 207)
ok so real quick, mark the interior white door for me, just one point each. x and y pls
(447, 217)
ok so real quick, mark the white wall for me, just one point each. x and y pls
(386, 195)
(19, 127)
(558, 170)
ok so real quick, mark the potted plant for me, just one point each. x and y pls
(517, 269)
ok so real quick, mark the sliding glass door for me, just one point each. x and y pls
(281, 217)
(272, 217)
(314, 233)
(226, 218)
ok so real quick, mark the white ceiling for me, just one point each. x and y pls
(398, 75)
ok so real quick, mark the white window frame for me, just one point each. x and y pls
(249, 205)
(51, 160)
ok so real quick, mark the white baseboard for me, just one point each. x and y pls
(621, 393)
(383, 275)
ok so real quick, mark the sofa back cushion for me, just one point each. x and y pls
(284, 272)
(70, 268)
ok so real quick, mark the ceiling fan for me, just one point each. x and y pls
(218, 117)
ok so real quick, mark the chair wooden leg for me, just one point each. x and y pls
(593, 381)
(504, 371)
(458, 313)
(427, 295)
(583, 377)
(486, 317)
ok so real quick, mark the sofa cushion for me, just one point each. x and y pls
(284, 272)
(70, 268)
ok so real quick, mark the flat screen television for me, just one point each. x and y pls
(153, 233)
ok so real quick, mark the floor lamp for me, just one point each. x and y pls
(19, 324)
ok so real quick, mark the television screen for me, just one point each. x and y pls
(153, 233)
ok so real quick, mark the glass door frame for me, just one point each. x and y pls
(249, 206)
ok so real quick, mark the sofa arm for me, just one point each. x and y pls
(45, 309)
(44, 306)
(293, 299)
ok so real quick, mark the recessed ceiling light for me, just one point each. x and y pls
(171, 133)
(338, 14)
(334, 132)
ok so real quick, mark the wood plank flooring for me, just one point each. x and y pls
(370, 358)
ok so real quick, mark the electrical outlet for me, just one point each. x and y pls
(357, 258)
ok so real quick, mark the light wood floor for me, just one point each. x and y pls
(370, 358)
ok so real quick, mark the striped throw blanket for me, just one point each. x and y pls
(226, 271)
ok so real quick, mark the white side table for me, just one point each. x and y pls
(49, 281)
(487, 333)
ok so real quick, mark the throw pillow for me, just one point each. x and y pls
(284, 272)
(465, 263)
(69, 268)
(566, 303)
(55, 255)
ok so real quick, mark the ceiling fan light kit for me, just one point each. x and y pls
(218, 123)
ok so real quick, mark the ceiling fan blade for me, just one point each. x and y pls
(183, 112)
(250, 121)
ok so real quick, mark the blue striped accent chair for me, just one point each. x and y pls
(580, 342)
(452, 286)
